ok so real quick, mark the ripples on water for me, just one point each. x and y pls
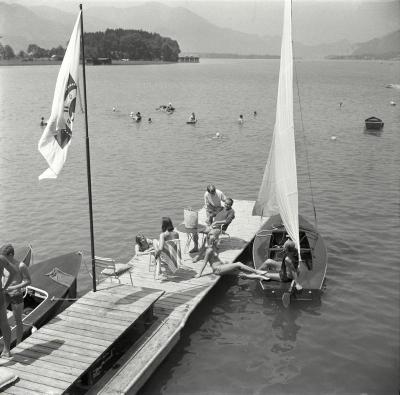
(238, 342)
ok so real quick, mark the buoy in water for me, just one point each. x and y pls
(217, 135)
(114, 109)
(392, 103)
(333, 137)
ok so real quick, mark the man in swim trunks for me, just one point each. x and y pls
(17, 280)
(220, 268)
(4, 325)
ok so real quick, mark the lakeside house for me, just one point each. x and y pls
(189, 59)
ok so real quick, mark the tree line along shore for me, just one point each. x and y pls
(118, 45)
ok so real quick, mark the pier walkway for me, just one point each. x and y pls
(55, 356)
(182, 294)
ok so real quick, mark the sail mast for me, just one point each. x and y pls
(278, 192)
(89, 177)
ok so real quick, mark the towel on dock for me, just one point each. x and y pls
(7, 376)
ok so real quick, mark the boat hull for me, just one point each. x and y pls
(373, 123)
(53, 280)
(268, 244)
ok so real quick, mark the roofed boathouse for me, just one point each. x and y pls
(189, 59)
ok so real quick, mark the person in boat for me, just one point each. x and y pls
(138, 116)
(192, 117)
(143, 244)
(42, 122)
(18, 279)
(219, 223)
(170, 107)
(221, 268)
(288, 269)
(4, 325)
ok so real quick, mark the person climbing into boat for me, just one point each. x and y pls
(143, 244)
(4, 325)
(18, 279)
(221, 268)
(288, 269)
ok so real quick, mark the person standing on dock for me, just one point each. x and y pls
(4, 325)
(18, 279)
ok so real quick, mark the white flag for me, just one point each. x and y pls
(56, 138)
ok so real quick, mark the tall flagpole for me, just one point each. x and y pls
(89, 178)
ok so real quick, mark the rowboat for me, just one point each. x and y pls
(277, 201)
(373, 123)
(53, 281)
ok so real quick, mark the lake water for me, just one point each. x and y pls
(238, 342)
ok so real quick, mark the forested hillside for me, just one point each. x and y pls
(131, 44)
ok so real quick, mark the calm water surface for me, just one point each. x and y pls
(238, 342)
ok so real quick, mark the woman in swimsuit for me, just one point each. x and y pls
(288, 269)
(220, 268)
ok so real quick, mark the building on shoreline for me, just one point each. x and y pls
(189, 59)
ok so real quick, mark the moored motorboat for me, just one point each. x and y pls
(373, 123)
(52, 281)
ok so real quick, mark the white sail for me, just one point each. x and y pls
(278, 193)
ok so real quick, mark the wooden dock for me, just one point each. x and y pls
(55, 356)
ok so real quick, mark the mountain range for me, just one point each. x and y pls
(49, 27)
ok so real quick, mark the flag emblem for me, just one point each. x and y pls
(64, 135)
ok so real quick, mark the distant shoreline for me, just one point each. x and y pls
(45, 62)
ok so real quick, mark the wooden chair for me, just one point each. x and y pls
(170, 256)
(107, 267)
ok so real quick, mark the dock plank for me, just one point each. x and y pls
(50, 345)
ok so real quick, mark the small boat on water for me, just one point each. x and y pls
(53, 281)
(373, 123)
(277, 199)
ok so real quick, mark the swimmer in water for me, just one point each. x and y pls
(240, 120)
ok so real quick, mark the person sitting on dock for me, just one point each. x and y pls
(4, 324)
(168, 233)
(221, 268)
(17, 280)
(219, 223)
(288, 269)
(143, 244)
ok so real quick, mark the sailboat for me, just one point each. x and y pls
(278, 195)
